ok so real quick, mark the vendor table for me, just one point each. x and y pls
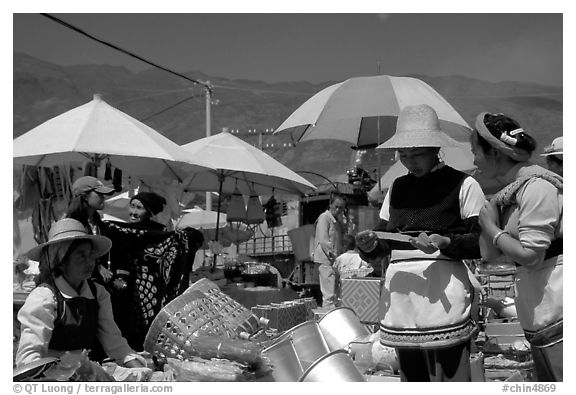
(250, 297)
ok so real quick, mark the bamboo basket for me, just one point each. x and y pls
(202, 310)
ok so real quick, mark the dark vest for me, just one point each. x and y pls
(428, 204)
(76, 321)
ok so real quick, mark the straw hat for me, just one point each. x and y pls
(556, 148)
(69, 229)
(418, 126)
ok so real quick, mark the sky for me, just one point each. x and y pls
(308, 47)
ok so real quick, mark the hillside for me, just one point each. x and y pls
(43, 90)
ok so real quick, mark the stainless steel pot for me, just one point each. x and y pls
(308, 341)
(340, 327)
(335, 366)
(285, 363)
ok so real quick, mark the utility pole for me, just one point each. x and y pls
(260, 139)
(378, 137)
(208, 92)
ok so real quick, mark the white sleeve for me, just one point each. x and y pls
(385, 209)
(471, 198)
(36, 317)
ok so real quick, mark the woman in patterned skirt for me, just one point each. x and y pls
(430, 217)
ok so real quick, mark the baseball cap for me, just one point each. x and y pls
(87, 184)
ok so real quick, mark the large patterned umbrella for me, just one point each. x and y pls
(363, 111)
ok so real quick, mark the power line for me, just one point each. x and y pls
(263, 90)
(78, 30)
(159, 93)
(170, 107)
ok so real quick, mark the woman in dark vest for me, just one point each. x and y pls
(523, 224)
(67, 311)
(427, 292)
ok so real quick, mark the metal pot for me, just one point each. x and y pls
(285, 363)
(340, 327)
(335, 366)
(308, 342)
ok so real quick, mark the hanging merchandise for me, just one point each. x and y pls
(255, 212)
(236, 208)
(59, 184)
(28, 190)
(117, 180)
(90, 169)
(66, 172)
(108, 171)
(42, 218)
(273, 213)
(45, 182)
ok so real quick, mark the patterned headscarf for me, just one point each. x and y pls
(506, 135)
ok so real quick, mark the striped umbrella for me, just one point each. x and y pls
(363, 111)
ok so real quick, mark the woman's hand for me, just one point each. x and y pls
(488, 217)
(105, 273)
(440, 241)
(424, 243)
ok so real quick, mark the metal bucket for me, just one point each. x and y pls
(335, 366)
(285, 363)
(340, 327)
(308, 342)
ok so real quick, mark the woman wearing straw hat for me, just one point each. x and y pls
(427, 292)
(523, 223)
(554, 154)
(67, 311)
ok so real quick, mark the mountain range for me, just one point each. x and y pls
(43, 90)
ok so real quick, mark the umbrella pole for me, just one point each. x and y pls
(221, 179)
(378, 137)
(377, 153)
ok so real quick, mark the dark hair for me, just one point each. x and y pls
(337, 196)
(484, 145)
(78, 210)
(348, 242)
(47, 273)
(500, 124)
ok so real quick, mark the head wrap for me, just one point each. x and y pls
(151, 201)
(506, 135)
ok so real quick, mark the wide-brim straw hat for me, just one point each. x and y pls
(556, 148)
(418, 126)
(68, 229)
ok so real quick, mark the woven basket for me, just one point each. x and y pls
(201, 310)
(355, 273)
